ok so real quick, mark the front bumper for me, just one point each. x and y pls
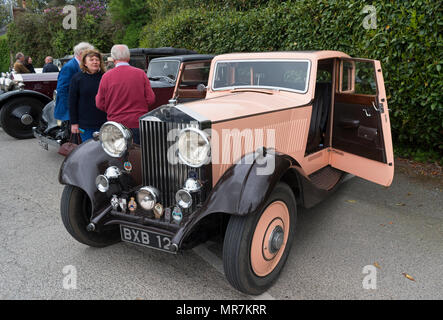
(46, 140)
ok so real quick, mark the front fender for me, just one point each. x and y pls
(23, 93)
(243, 189)
(87, 161)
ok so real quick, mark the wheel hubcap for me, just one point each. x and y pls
(26, 119)
(269, 239)
(276, 240)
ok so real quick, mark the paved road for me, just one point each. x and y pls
(399, 229)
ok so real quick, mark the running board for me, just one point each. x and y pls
(326, 178)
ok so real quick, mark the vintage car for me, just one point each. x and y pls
(173, 77)
(25, 95)
(22, 100)
(276, 130)
(141, 57)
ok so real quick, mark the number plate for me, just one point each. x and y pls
(146, 238)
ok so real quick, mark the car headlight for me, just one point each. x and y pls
(194, 148)
(147, 197)
(115, 138)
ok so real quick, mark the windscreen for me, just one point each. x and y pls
(163, 69)
(291, 75)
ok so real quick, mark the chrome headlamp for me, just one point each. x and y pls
(147, 197)
(115, 138)
(194, 148)
(103, 181)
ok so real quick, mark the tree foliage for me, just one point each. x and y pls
(42, 34)
(407, 40)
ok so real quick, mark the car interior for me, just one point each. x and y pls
(318, 137)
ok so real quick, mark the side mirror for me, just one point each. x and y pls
(201, 87)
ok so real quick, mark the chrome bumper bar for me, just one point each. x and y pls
(45, 140)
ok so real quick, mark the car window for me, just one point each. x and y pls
(364, 81)
(292, 75)
(195, 74)
(164, 68)
(138, 62)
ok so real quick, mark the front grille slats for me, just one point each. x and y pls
(157, 170)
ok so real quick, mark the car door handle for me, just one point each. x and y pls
(380, 107)
(368, 114)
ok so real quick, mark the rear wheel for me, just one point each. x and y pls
(76, 212)
(19, 115)
(256, 247)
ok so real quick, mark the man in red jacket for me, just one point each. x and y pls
(125, 93)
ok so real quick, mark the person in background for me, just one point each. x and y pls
(49, 65)
(28, 64)
(61, 110)
(125, 92)
(110, 63)
(19, 66)
(84, 116)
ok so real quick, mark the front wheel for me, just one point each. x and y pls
(76, 212)
(19, 115)
(256, 247)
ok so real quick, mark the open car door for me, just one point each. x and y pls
(361, 142)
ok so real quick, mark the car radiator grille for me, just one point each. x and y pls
(157, 140)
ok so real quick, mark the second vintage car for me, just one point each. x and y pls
(22, 100)
(276, 130)
(25, 95)
(173, 77)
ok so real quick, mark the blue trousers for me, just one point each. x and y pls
(87, 133)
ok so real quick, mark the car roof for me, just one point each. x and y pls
(311, 55)
(161, 51)
(186, 58)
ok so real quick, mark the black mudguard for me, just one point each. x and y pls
(88, 161)
(242, 190)
(6, 96)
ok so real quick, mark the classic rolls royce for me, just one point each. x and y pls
(173, 77)
(275, 131)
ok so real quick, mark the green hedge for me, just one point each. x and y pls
(4, 55)
(407, 41)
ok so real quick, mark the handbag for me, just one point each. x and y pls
(67, 147)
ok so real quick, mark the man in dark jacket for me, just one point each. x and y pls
(49, 65)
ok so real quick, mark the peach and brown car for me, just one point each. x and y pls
(275, 131)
